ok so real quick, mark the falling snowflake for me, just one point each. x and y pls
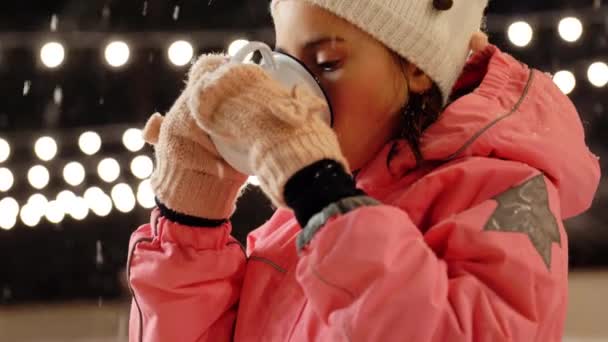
(176, 12)
(105, 12)
(58, 95)
(54, 22)
(26, 87)
(99, 253)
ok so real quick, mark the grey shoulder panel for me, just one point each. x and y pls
(525, 209)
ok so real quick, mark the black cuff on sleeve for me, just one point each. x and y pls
(186, 220)
(316, 186)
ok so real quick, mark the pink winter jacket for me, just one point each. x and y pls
(467, 246)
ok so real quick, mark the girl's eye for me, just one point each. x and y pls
(329, 66)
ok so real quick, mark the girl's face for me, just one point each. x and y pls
(364, 80)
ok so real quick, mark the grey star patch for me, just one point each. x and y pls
(525, 209)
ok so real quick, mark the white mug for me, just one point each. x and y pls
(285, 69)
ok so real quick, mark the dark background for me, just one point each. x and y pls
(58, 262)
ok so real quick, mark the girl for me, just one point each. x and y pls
(431, 212)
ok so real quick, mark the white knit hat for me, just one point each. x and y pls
(432, 34)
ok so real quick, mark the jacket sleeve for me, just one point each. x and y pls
(185, 282)
(492, 265)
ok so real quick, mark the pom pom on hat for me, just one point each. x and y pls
(443, 5)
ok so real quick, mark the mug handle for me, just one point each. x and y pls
(264, 49)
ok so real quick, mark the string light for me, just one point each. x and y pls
(79, 209)
(598, 74)
(30, 214)
(5, 150)
(180, 53)
(123, 197)
(133, 140)
(54, 212)
(66, 200)
(9, 206)
(52, 54)
(520, 33)
(6, 179)
(99, 203)
(145, 195)
(38, 202)
(10, 210)
(570, 29)
(73, 173)
(236, 46)
(89, 143)
(38, 176)
(45, 148)
(103, 207)
(142, 167)
(565, 80)
(108, 170)
(117, 54)
(7, 222)
(91, 195)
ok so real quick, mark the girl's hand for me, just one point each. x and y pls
(190, 176)
(281, 128)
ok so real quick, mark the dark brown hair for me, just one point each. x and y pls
(421, 111)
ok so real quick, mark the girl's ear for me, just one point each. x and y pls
(418, 81)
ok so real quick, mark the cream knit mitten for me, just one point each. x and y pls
(190, 176)
(281, 128)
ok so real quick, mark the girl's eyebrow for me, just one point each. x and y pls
(323, 40)
(316, 42)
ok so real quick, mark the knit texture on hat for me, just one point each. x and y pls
(435, 41)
